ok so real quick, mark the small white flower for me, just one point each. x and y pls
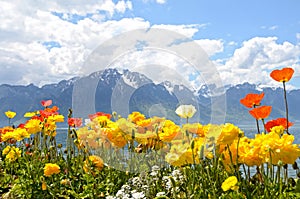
(136, 181)
(138, 195)
(154, 173)
(186, 111)
(155, 168)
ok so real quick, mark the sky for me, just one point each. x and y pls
(43, 42)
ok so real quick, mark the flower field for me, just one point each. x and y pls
(111, 156)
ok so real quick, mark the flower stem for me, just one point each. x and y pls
(257, 125)
(286, 109)
(263, 121)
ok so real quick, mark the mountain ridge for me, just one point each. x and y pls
(139, 93)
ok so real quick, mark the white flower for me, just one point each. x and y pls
(138, 195)
(155, 168)
(186, 111)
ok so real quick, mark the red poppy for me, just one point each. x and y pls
(75, 122)
(21, 126)
(252, 99)
(93, 116)
(283, 75)
(261, 112)
(46, 103)
(277, 122)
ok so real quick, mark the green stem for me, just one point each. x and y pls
(286, 109)
(257, 125)
(263, 121)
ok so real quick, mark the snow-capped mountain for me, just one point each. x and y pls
(125, 91)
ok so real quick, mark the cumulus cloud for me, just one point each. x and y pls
(211, 47)
(44, 42)
(253, 61)
(48, 41)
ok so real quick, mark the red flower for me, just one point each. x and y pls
(277, 122)
(93, 116)
(283, 75)
(75, 122)
(261, 112)
(46, 103)
(21, 126)
(252, 100)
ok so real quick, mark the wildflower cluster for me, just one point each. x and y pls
(149, 157)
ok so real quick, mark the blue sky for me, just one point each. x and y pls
(45, 42)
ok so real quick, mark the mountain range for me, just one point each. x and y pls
(125, 91)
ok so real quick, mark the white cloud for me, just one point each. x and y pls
(186, 30)
(256, 58)
(161, 1)
(26, 26)
(211, 47)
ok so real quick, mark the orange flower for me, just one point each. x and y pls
(252, 99)
(283, 75)
(49, 111)
(93, 116)
(278, 122)
(261, 112)
(75, 122)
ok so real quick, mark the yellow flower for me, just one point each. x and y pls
(195, 128)
(93, 162)
(44, 186)
(248, 154)
(11, 135)
(33, 126)
(22, 133)
(6, 150)
(229, 134)
(56, 118)
(278, 129)
(186, 111)
(181, 154)
(12, 153)
(230, 183)
(10, 114)
(169, 131)
(29, 114)
(51, 169)
(135, 117)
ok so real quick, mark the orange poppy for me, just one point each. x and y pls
(277, 122)
(261, 112)
(252, 99)
(283, 75)
(93, 116)
(75, 122)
